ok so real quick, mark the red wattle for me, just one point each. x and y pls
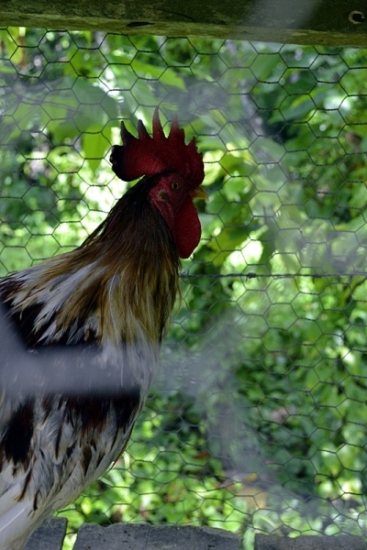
(186, 229)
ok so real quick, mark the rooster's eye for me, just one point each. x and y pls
(174, 185)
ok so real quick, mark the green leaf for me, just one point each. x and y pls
(95, 144)
(225, 243)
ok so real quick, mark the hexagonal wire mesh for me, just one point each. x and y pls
(257, 422)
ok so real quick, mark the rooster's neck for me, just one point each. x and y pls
(119, 286)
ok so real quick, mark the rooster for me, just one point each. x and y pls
(113, 295)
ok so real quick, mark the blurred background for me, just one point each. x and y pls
(257, 421)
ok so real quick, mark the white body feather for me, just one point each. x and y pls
(64, 456)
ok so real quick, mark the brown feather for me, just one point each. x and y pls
(134, 273)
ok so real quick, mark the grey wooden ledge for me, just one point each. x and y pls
(147, 537)
(49, 536)
(121, 536)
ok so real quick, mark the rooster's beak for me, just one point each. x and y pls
(199, 193)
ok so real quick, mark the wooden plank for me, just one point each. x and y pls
(328, 22)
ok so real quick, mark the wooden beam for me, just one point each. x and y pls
(326, 22)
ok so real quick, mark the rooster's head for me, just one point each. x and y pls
(178, 171)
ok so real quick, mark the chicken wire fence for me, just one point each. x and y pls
(257, 421)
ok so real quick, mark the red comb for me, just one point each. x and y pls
(147, 156)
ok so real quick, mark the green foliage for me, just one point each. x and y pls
(258, 422)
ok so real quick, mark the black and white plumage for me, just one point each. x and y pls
(104, 308)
